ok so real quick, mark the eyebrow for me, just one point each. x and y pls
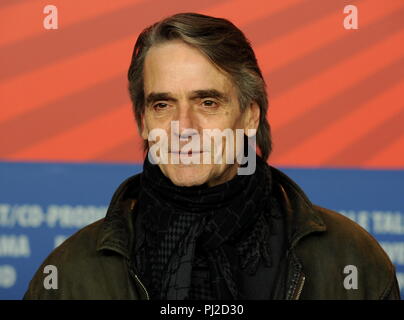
(159, 96)
(197, 94)
(209, 93)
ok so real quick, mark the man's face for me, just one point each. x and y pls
(182, 85)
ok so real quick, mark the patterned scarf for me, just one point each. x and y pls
(193, 234)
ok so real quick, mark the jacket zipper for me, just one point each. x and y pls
(132, 272)
(299, 287)
(143, 287)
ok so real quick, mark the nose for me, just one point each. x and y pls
(186, 122)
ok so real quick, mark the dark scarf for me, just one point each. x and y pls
(192, 235)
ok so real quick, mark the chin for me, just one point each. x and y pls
(187, 175)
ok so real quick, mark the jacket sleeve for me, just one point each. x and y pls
(36, 289)
(29, 295)
(393, 292)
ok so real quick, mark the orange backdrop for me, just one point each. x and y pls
(336, 95)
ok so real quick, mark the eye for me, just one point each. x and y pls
(160, 106)
(209, 103)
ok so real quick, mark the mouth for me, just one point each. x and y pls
(190, 152)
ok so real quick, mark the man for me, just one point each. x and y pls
(206, 229)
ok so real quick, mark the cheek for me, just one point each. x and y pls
(235, 120)
(143, 128)
(150, 121)
(148, 124)
(225, 120)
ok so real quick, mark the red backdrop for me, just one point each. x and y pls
(336, 95)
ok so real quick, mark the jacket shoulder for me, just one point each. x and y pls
(70, 259)
(348, 234)
(345, 248)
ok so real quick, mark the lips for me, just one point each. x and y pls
(188, 153)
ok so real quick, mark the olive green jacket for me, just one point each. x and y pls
(96, 262)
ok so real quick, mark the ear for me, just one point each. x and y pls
(252, 117)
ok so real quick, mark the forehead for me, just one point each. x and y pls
(176, 66)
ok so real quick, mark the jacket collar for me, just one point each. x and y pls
(300, 214)
(117, 230)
